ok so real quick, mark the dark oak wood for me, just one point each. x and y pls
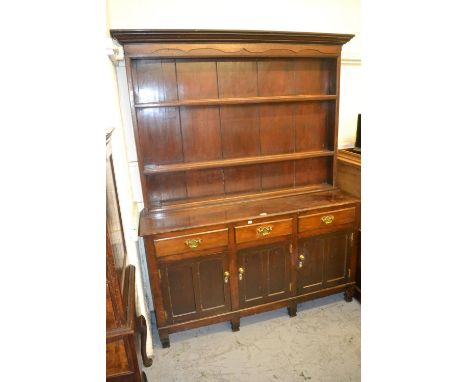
(264, 230)
(195, 287)
(244, 161)
(265, 275)
(196, 241)
(326, 220)
(349, 180)
(124, 333)
(349, 172)
(236, 135)
(133, 36)
(236, 101)
(143, 330)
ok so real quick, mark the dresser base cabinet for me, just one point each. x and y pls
(256, 265)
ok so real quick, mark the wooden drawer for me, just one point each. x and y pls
(326, 219)
(264, 230)
(192, 242)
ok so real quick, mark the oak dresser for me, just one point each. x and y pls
(236, 136)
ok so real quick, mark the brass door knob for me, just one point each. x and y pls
(241, 272)
(226, 277)
(301, 259)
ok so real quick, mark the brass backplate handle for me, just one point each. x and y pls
(241, 272)
(193, 243)
(328, 219)
(265, 230)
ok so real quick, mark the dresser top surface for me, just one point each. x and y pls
(158, 222)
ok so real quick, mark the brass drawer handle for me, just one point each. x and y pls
(328, 219)
(193, 243)
(264, 231)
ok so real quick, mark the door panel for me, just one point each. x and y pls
(212, 288)
(195, 288)
(181, 289)
(253, 278)
(277, 267)
(326, 261)
(310, 275)
(336, 258)
(266, 274)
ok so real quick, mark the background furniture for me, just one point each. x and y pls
(349, 180)
(123, 329)
(236, 135)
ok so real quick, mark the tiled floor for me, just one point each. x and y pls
(322, 343)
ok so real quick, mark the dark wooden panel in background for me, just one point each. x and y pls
(196, 79)
(201, 133)
(240, 131)
(154, 81)
(166, 187)
(312, 171)
(237, 78)
(277, 175)
(276, 128)
(311, 127)
(205, 183)
(315, 76)
(275, 77)
(159, 132)
(243, 179)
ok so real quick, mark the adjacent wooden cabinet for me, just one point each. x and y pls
(236, 135)
(125, 332)
(349, 179)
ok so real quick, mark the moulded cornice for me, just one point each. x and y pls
(134, 36)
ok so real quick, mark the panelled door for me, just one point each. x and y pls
(264, 274)
(323, 261)
(195, 288)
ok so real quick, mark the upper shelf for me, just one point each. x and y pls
(235, 101)
(177, 167)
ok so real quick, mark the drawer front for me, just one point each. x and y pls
(326, 219)
(264, 230)
(192, 242)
